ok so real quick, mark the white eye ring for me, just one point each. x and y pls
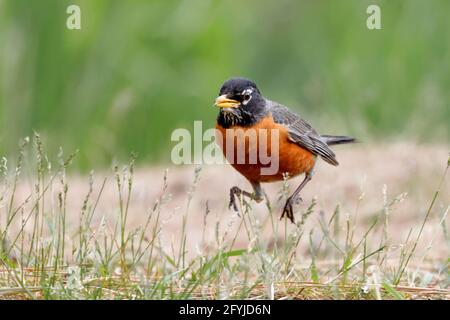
(247, 92)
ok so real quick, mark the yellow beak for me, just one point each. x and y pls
(223, 102)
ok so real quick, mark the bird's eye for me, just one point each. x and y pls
(246, 96)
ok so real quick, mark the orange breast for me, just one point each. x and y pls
(252, 151)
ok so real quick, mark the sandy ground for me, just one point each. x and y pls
(363, 170)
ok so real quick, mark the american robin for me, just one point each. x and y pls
(243, 108)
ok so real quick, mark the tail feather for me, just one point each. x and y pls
(332, 140)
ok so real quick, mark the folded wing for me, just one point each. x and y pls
(301, 133)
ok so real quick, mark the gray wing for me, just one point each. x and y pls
(301, 133)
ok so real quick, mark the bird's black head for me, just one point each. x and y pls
(240, 103)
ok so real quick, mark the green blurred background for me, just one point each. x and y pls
(139, 69)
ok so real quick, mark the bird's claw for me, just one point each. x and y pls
(288, 210)
(235, 193)
(232, 204)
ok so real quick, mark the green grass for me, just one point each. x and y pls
(137, 70)
(109, 260)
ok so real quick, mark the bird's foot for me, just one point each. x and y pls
(288, 209)
(232, 205)
(235, 198)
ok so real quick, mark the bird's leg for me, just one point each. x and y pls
(288, 207)
(257, 195)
